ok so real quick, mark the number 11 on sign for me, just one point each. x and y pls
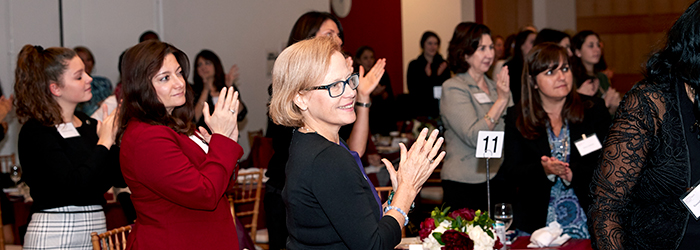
(489, 144)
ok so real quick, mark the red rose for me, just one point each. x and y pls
(498, 244)
(426, 227)
(455, 240)
(465, 213)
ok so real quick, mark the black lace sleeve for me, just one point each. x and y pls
(624, 155)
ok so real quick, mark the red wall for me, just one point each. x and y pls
(377, 24)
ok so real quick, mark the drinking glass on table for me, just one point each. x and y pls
(503, 212)
(16, 173)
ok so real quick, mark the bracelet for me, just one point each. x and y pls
(391, 197)
(400, 211)
(362, 104)
(486, 116)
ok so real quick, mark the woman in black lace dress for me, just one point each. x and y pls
(652, 153)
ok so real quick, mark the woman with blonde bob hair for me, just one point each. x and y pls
(330, 202)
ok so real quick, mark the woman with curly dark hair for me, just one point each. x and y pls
(60, 147)
(652, 154)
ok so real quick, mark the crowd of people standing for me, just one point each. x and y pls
(174, 144)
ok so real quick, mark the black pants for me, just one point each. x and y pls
(474, 196)
(275, 218)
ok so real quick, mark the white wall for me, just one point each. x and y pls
(22, 22)
(554, 14)
(439, 16)
(240, 32)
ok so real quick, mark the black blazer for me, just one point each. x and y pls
(522, 168)
(329, 203)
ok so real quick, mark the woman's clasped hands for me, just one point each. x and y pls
(224, 119)
(556, 167)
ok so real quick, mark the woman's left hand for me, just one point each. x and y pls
(232, 75)
(567, 175)
(370, 81)
(418, 163)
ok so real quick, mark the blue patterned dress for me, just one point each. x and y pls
(564, 206)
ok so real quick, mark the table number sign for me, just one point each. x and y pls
(489, 144)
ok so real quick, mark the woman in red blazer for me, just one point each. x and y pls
(177, 176)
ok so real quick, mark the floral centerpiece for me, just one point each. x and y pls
(460, 229)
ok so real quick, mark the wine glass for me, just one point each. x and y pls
(16, 173)
(503, 212)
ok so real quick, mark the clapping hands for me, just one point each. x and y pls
(224, 119)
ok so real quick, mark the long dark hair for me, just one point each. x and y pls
(425, 36)
(465, 41)
(37, 68)
(679, 60)
(532, 117)
(140, 100)
(520, 39)
(550, 35)
(219, 74)
(308, 24)
(579, 70)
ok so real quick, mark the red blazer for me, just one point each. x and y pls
(177, 189)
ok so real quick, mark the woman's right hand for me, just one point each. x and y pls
(106, 129)
(589, 87)
(554, 166)
(418, 163)
(224, 119)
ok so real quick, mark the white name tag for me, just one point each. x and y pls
(691, 200)
(437, 92)
(67, 130)
(489, 144)
(588, 144)
(482, 98)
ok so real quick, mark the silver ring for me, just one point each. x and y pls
(432, 160)
(232, 111)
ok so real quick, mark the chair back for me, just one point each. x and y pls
(6, 162)
(386, 190)
(244, 199)
(383, 192)
(114, 239)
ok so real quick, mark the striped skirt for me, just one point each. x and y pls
(66, 227)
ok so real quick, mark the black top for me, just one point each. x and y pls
(522, 166)
(515, 72)
(62, 172)
(198, 92)
(382, 114)
(420, 86)
(691, 240)
(644, 170)
(329, 203)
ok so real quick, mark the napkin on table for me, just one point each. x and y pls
(549, 236)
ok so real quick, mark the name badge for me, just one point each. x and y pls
(691, 200)
(588, 144)
(437, 92)
(67, 130)
(482, 98)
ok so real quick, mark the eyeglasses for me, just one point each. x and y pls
(337, 89)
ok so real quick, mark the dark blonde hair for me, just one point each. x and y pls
(37, 68)
(140, 99)
(297, 68)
